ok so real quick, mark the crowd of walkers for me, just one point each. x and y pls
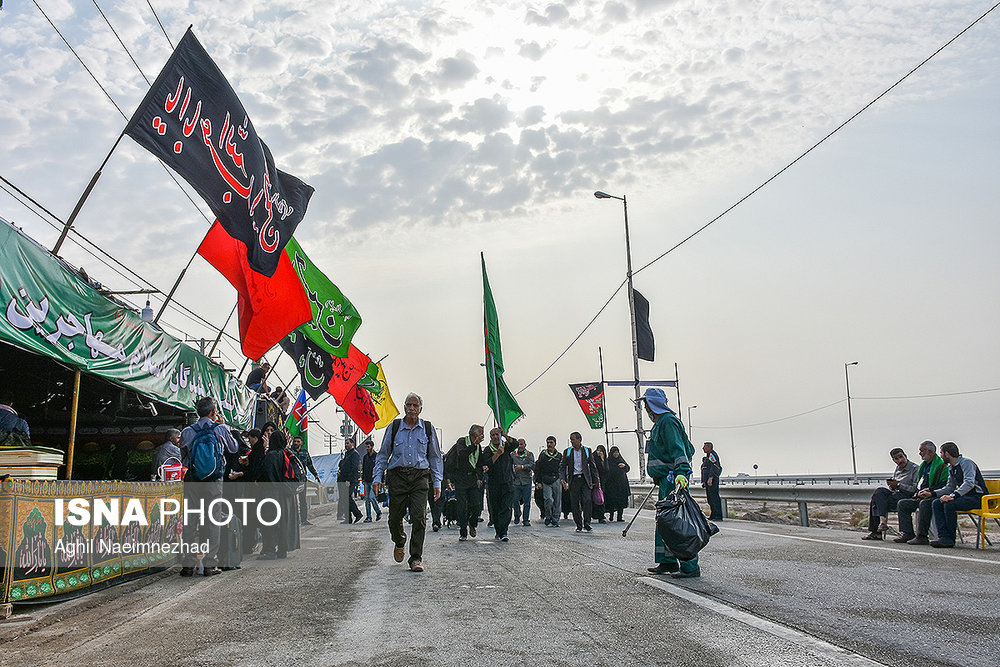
(252, 466)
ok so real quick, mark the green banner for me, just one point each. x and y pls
(46, 308)
(505, 408)
(335, 319)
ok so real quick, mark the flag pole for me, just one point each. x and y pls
(84, 196)
(607, 442)
(315, 405)
(223, 328)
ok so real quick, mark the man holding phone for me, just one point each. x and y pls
(902, 485)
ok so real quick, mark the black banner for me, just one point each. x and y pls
(315, 365)
(643, 332)
(193, 120)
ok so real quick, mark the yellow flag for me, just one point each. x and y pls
(387, 410)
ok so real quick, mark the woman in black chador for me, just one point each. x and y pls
(616, 487)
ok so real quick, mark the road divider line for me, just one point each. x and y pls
(930, 554)
(837, 654)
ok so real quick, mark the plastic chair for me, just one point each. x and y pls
(990, 509)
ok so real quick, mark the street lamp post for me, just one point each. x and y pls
(850, 419)
(639, 432)
(690, 424)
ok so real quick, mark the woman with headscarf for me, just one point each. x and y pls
(601, 461)
(616, 488)
(278, 488)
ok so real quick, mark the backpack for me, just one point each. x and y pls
(451, 461)
(394, 429)
(207, 461)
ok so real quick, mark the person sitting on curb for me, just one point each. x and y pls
(931, 475)
(964, 491)
(901, 486)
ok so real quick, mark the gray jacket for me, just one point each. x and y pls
(523, 476)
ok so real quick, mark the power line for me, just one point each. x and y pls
(121, 42)
(900, 398)
(606, 303)
(160, 24)
(818, 143)
(775, 421)
(765, 183)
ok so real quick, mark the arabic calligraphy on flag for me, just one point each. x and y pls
(194, 122)
(590, 395)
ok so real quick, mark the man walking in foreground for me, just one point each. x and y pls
(410, 462)
(669, 465)
(579, 475)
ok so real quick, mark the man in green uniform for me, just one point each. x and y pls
(669, 465)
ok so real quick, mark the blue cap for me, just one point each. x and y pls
(656, 401)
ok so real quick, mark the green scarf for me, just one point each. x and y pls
(474, 456)
(553, 455)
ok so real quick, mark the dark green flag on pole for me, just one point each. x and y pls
(505, 408)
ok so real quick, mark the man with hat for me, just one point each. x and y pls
(669, 465)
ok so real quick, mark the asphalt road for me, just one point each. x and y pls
(769, 595)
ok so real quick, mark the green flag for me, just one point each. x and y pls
(505, 408)
(335, 319)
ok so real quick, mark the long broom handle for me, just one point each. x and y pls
(641, 505)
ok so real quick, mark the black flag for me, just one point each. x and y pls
(643, 332)
(192, 120)
(315, 365)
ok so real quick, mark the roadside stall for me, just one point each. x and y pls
(100, 385)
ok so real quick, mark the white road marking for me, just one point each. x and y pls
(916, 552)
(840, 656)
(931, 554)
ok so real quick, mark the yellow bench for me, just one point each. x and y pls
(989, 510)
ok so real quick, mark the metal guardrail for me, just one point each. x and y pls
(799, 489)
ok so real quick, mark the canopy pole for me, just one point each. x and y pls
(73, 410)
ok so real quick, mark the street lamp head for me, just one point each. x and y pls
(604, 195)
(853, 363)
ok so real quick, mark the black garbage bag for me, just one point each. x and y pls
(540, 499)
(682, 525)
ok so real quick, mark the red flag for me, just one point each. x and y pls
(359, 407)
(346, 371)
(269, 308)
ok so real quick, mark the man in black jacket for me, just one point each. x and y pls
(367, 475)
(711, 470)
(579, 474)
(500, 467)
(547, 480)
(463, 468)
(348, 475)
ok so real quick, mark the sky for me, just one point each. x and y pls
(433, 131)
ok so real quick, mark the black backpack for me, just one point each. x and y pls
(394, 429)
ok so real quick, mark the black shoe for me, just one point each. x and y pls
(905, 537)
(436, 527)
(187, 571)
(504, 538)
(664, 568)
(472, 531)
(919, 539)
(601, 521)
(526, 523)
(579, 530)
(212, 571)
(368, 520)
(378, 518)
(938, 544)
(307, 522)
(588, 528)
(686, 575)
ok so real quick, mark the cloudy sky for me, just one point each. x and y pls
(436, 130)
